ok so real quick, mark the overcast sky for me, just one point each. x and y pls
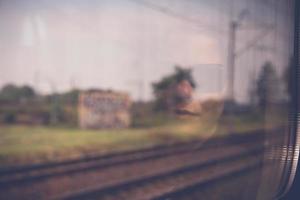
(118, 44)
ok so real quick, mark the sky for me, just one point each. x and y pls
(125, 45)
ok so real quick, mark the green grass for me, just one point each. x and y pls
(27, 144)
(19, 144)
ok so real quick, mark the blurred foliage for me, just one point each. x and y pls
(164, 89)
(143, 115)
(9, 118)
(179, 75)
(13, 93)
(23, 105)
(267, 86)
(69, 97)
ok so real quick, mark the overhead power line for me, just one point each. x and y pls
(174, 14)
(253, 42)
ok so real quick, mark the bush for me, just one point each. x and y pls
(9, 118)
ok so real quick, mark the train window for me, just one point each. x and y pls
(145, 99)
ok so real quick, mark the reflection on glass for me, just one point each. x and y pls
(185, 92)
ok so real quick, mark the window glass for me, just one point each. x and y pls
(145, 99)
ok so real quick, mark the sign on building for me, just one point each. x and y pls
(100, 109)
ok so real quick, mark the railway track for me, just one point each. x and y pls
(142, 169)
(159, 185)
(121, 157)
(23, 174)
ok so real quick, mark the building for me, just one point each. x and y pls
(100, 109)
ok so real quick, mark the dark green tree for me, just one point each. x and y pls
(267, 86)
(11, 92)
(70, 97)
(164, 89)
(27, 92)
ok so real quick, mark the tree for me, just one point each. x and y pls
(11, 92)
(167, 90)
(267, 86)
(70, 97)
(26, 92)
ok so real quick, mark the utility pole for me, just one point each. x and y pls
(233, 54)
(231, 59)
(55, 106)
(233, 27)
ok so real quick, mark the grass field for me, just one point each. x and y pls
(27, 144)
